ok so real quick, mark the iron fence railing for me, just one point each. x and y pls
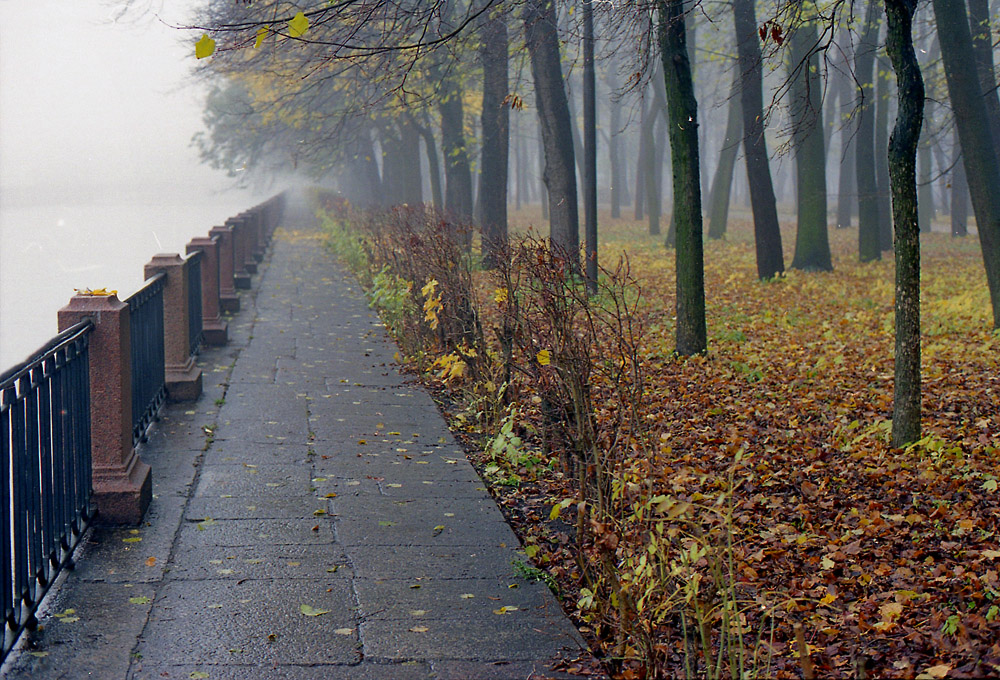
(194, 301)
(149, 388)
(45, 472)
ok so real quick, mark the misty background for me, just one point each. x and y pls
(97, 174)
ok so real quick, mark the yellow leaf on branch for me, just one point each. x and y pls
(298, 25)
(261, 34)
(205, 47)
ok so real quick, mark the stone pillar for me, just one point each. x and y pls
(260, 240)
(214, 330)
(241, 277)
(183, 378)
(229, 300)
(121, 480)
(250, 260)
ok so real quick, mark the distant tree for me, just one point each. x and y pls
(722, 181)
(869, 247)
(812, 244)
(542, 41)
(496, 135)
(770, 259)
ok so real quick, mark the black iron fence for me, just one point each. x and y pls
(194, 301)
(149, 389)
(45, 472)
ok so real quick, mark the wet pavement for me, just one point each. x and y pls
(312, 518)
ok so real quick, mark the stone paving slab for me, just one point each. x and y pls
(311, 472)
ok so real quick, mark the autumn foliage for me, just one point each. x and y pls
(740, 513)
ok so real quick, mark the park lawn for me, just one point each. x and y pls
(842, 549)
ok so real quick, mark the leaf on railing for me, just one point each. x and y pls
(102, 292)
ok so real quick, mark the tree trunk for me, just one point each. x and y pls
(971, 116)
(925, 190)
(589, 148)
(722, 182)
(647, 118)
(392, 166)
(959, 194)
(868, 218)
(496, 137)
(411, 182)
(884, 103)
(519, 185)
(542, 42)
(654, 160)
(433, 163)
(902, 169)
(982, 45)
(682, 114)
(846, 184)
(543, 193)
(577, 143)
(812, 243)
(770, 260)
(457, 170)
(614, 149)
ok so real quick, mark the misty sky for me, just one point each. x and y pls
(87, 100)
(97, 173)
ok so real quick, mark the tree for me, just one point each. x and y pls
(682, 114)
(978, 147)
(542, 41)
(903, 176)
(496, 136)
(590, 147)
(722, 181)
(869, 248)
(770, 260)
(812, 244)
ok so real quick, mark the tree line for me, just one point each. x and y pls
(472, 105)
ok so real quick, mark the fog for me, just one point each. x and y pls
(96, 170)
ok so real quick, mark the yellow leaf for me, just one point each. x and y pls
(261, 34)
(298, 25)
(828, 598)
(310, 611)
(544, 357)
(500, 296)
(343, 631)
(554, 513)
(419, 629)
(97, 292)
(939, 671)
(205, 47)
(428, 289)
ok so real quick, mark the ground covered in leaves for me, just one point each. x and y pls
(843, 556)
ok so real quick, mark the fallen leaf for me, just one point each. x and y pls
(310, 611)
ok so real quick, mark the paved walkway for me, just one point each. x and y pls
(312, 518)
